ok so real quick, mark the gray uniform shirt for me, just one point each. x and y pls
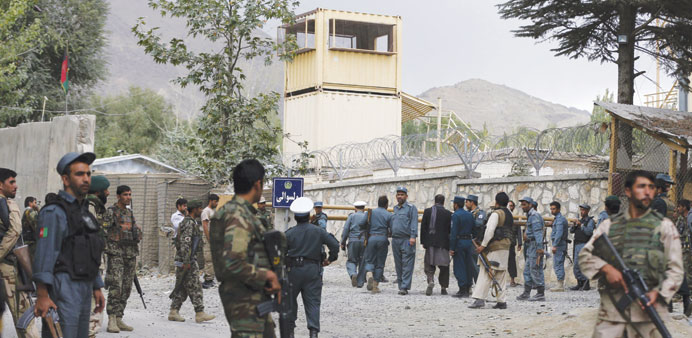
(53, 228)
(352, 228)
(306, 240)
(380, 222)
(405, 221)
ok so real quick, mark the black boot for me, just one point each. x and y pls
(313, 333)
(687, 309)
(586, 285)
(526, 294)
(670, 306)
(577, 287)
(539, 296)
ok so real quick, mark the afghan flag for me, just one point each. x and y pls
(64, 79)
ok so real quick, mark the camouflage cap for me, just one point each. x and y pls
(194, 204)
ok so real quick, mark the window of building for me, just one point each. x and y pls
(302, 32)
(363, 36)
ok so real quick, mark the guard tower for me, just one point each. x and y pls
(344, 83)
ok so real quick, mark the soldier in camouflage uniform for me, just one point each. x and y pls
(649, 244)
(685, 229)
(10, 231)
(240, 258)
(264, 214)
(123, 235)
(188, 245)
(97, 198)
(29, 224)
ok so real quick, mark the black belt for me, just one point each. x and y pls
(464, 236)
(300, 261)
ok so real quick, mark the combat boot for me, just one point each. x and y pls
(539, 296)
(174, 316)
(203, 317)
(112, 324)
(122, 326)
(477, 304)
(526, 294)
(371, 283)
(313, 333)
(443, 291)
(375, 287)
(560, 287)
(577, 287)
(429, 290)
(687, 309)
(354, 281)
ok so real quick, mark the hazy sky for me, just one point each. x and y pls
(448, 41)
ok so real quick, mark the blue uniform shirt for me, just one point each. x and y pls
(405, 221)
(380, 222)
(587, 225)
(534, 227)
(462, 224)
(602, 217)
(52, 224)
(352, 228)
(559, 230)
(321, 220)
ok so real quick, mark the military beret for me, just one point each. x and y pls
(402, 189)
(585, 206)
(99, 183)
(71, 157)
(665, 178)
(194, 204)
(472, 198)
(459, 199)
(302, 206)
(318, 204)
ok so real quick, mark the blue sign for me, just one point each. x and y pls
(286, 190)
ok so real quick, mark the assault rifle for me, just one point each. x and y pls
(179, 282)
(52, 320)
(636, 287)
(495, 288)
(368, 224)
(139, 290)
(275, 245)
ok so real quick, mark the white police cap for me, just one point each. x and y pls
(302, 206)
(360, 204)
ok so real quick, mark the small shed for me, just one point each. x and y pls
(653, 139)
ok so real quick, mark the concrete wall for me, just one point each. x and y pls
(34, 149)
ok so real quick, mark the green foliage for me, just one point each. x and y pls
(180, 147)
(45, 36)
(233, 126)
(599, 114)
(590, 29)
(132, 123)
(520, 167)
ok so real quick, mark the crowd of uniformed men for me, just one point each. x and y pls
(67, 237)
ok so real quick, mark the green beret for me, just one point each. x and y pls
(612, 198)
(98, 183)
(194, 204)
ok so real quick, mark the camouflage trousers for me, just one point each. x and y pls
(189, 285)
(240, 307)
(120, 275)
(18, 301)
(687, 264)
(95, 319)
(208, 266)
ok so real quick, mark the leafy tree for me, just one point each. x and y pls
(131, 123)
(598, 114)
(611, 31)
(233, 126)
(74, 24)
(180, 147)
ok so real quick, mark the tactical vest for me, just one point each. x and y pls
(503, 232)
(638, 241)
(256, 253)
(670, 208)
(116, 232)
(196, 236)
(80, 253)
(10, 258)
(29, 227)
(579, 235)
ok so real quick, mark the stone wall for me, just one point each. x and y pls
(34, 149)
(569, 190)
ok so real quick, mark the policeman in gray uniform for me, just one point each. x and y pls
(479, 219)
(404, 234)
(533, 252)
(353, 235)
(303, 259)
(319, 218)
(377, 245)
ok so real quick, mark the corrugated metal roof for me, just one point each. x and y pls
(103, 163)
(673, 125)
(413, 107)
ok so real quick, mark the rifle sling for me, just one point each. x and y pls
(622, 311)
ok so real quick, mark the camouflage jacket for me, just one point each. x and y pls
(119, 241)
(266, 218)
(29, 225)
(188, 234)
(237, 248)
(98, 209)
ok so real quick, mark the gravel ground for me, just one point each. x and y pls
(352, 312)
